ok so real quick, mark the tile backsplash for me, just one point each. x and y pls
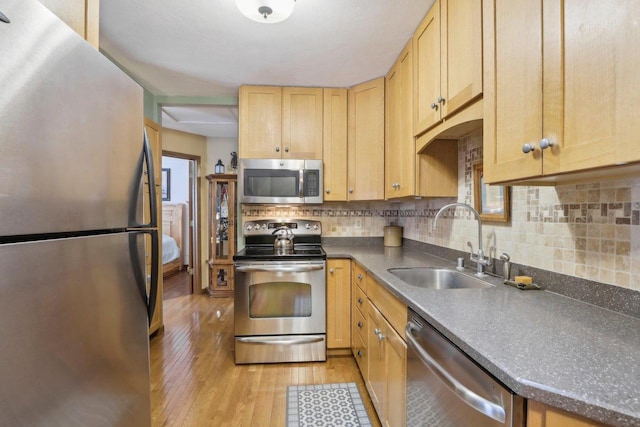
(586, 230)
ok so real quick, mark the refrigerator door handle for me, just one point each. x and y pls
(151, 298)
(153, 207)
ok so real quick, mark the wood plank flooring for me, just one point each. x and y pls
(194, 381)
(176, 285)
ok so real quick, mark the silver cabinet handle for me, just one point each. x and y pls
(331, 270)
(327, 191)
(360, 300)
(359, 353)
(360, 276)
(545, 143)
(478, 403)
(434, 106)
(440, 100)
(286, 149)
(351, 190)
(376, 331)
(360, 325)
(527, 148)
(277, 149)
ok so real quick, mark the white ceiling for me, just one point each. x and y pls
(207, 48)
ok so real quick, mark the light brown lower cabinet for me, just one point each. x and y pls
(541, 415)
(338, 304)
(387, 370)
(378, 347)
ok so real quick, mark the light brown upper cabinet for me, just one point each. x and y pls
(400, 154)
(448, 61)
(83, 16)
(334, 144)
(562, 89)
(366, 140)
(278, 122)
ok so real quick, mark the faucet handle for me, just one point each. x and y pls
(492, 255)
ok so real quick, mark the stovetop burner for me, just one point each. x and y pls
(260, 235)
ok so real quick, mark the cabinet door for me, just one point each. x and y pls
(153, 135)
(338, 303)
(426, 46)
(334, 144)
(512, 88)
(301, 123)
(400, 157)
(461, 61)
(83, 16)
(396, 363)
(366, 141)
(392, 131)
(541, 415)
(591, 84)
(260, 122)
(377, 379)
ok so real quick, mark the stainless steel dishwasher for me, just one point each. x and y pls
(445, 388)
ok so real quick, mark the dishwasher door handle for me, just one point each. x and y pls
(472, 399)
(280, 268)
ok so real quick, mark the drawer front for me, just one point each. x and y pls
(359, 276)
(360, 299)
(359, 324)
(394, 310)
(360, 354)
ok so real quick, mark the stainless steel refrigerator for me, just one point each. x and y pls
(74, 304)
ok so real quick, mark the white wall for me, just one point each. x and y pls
(179, 178)
(220, 148)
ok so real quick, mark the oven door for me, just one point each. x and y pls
(280, 298)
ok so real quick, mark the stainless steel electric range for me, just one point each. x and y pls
(280, 293)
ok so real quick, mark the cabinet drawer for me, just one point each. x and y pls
(359, 276)
(360, 354)
(359, 299)
(359, 323)
(394, 310)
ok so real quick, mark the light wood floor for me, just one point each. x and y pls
(194, 381)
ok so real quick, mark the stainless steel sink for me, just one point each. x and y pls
(437, 278)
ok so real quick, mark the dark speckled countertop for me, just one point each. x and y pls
(543, 346)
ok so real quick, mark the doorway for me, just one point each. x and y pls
(182, 197)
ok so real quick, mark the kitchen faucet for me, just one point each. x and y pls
(479, 258)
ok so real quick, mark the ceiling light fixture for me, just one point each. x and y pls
(266, 11)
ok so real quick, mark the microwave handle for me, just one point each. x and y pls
(301, 188)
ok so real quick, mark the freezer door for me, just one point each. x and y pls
(73, 320)
(71, 132)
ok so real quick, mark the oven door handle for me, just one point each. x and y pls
(280, 341)
(477, 402)
(280, 268)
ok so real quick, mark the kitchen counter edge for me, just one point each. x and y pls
(516, 373)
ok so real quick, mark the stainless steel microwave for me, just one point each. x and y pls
(281, 181)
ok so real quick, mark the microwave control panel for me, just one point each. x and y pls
(311, 183)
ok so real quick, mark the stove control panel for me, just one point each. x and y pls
(299, 227)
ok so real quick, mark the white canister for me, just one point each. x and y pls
(393, 236)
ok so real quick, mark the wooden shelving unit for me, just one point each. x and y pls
(222, 233)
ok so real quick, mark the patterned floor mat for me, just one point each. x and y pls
(326, 405)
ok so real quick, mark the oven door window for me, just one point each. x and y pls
(279, 299)
(270, 183)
